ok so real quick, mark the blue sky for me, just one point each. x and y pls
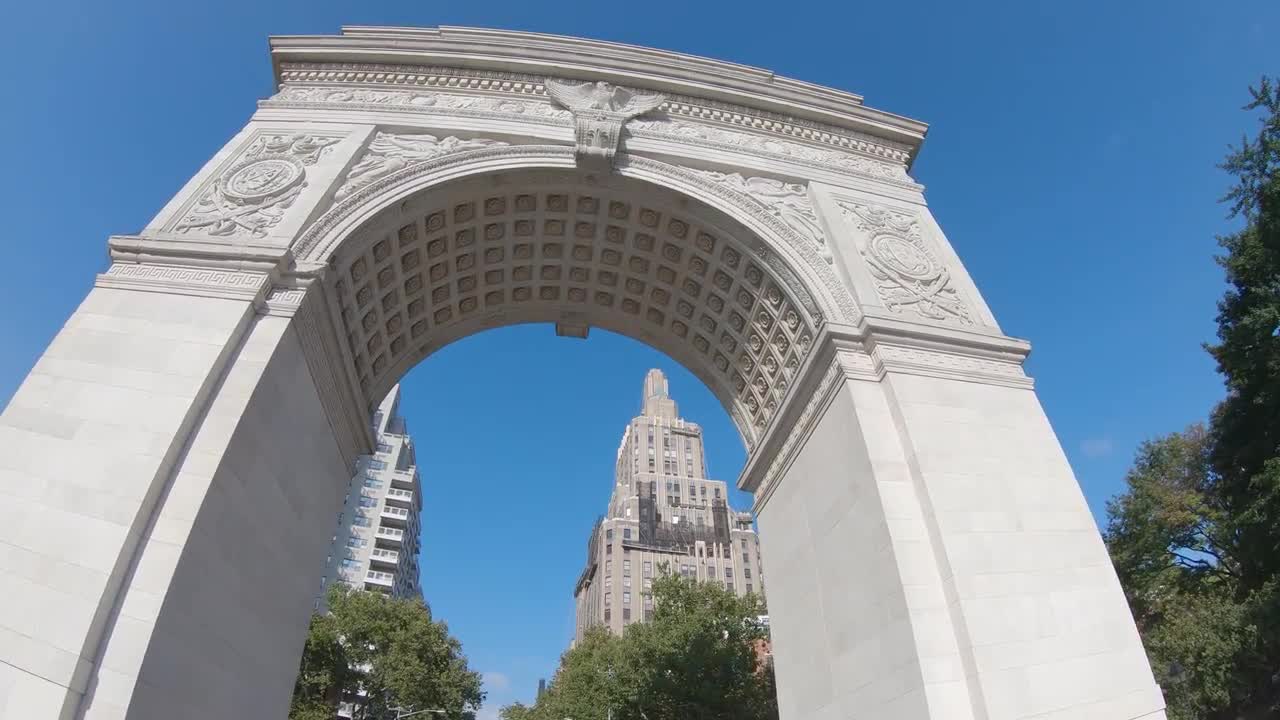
(1071, 161)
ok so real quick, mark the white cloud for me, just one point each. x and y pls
(496, 682)
(1096, 447)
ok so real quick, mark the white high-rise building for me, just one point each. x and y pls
(376, 543)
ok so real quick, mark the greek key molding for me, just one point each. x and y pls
(183, 280)
(284, 301)
(909, 277)
(253, 194)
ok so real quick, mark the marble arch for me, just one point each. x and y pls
(184, 441)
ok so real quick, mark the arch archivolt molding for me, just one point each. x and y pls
(506, 233)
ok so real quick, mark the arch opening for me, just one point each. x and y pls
(579, 251)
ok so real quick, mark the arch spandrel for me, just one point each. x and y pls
(558, 245)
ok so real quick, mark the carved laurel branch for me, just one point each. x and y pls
(891, 170)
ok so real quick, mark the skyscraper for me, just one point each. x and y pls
(663, 513)
(375, 546)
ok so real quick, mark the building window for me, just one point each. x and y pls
(607, 614)
(728, 573)
(608, 549)
(748, 587)
(377, 465)
(384, 448)
(626, 614)
(626, 532)
(608, 534)
(745, 559)
(626, 598)
(608, 599)
(744, 543)
(626, 581)
(728, 586)
(626, 567)
(648, 568)
(648, 583)
(746, 572)
(648, 601)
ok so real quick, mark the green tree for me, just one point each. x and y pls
(695, 660)
(1195, 537)
(387, 650)
(1246, 426)
(1166, 538)
(323, 674)
(516, 711)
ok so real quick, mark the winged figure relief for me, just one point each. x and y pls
(602, 97)
(389, 153)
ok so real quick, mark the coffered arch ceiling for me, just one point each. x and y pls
(564, 247)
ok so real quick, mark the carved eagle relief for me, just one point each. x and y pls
(602, 97)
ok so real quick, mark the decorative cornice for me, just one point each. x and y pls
(399, 53)
(347, 85)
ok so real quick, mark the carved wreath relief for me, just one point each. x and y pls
(390, 152)
(908, 277)
(600, 109)
(252, 195)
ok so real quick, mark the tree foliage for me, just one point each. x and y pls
(695, 660)
(1195, 537)
(388, 653)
